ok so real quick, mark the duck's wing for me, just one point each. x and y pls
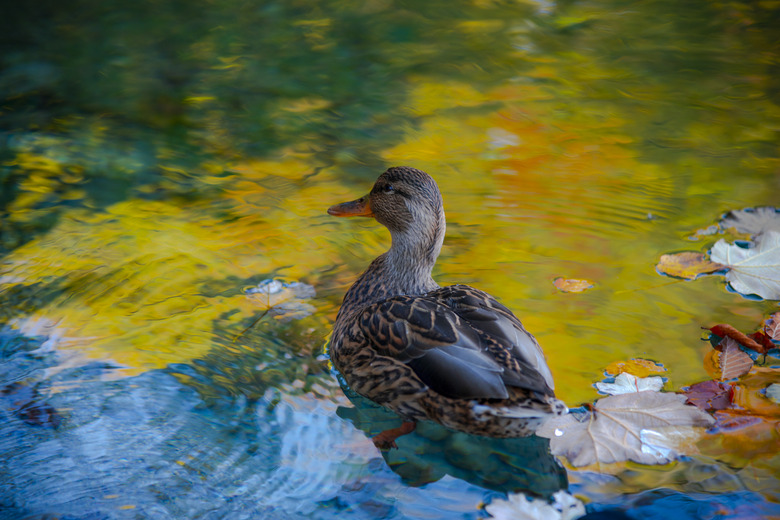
(439, 336)
(486, 314)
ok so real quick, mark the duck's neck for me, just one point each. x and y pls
(411, 258)
(403, 270)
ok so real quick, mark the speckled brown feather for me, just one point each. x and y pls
(453, 355)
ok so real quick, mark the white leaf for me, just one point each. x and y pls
(626, 383)
(613, 431)
(518, 507)
(773, 392)
(753, 220)
(755, 270)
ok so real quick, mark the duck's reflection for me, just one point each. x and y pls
(432, 451)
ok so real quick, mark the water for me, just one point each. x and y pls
(159, 159)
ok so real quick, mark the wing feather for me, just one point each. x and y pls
(459, 341)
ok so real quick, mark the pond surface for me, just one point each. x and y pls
(161, 159)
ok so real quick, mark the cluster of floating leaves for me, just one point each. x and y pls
(750, 267)
(640, 423)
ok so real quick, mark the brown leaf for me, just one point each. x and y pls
(571, 285)
(617, 429)
(763, 340)
(688, 265)
(730, 421)
(725, 330)
(733, 362)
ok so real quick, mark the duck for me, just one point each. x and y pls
(453, 355)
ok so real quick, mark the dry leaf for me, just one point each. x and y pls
(752, 220)
(627, 383)
(772, 328)
(763, 340)
(773, 393)
(637, 367)
(724, 330)
(710, 395)
(733, 361)
(754, 270)
(612, 432)
(571, 285)
(687, 265)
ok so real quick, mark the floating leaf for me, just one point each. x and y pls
(688, 265)
(710, 395)
(637, 367)
(752, 220)
(754, 270)
(725, 330)
(612, 432)
(773, 393)
(627, 383)
(563, 507)
(571, 285)
(772, 328)
(733, 361)
(764, 341)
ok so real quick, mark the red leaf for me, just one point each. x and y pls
(727, 331)
(710, 395)
(763, 340)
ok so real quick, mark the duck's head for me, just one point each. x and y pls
(406, 201)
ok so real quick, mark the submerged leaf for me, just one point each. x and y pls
(571, 285)
(688, 265)
(27, 404)
(752, 220)
(282, 299)
(612, 432)
(755, 270)
(627, 383)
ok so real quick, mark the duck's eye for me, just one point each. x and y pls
(388, 188)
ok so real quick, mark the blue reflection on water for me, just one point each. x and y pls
(149, 447)
(78, 446)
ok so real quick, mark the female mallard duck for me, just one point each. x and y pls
(453, 354)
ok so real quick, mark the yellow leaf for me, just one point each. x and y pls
(571, 285)
(687, 265)
(636, 367)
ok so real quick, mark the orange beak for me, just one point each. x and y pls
(357, 208)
